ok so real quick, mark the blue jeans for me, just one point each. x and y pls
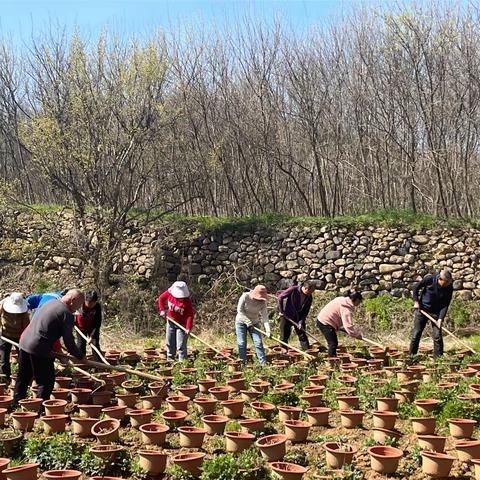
(241, 331)
(176, 339)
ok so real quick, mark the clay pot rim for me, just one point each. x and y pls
(106, 448)
(140, 411)
(205, 400)
(263, 405)
(218, 389)
(244, 435)
(385, 413)
(154, 428)
(251, 421)
(429, 437)
(19, 468)
(4, 461)
(385, 451)
(329, 446)
(146, 452)
(351, 412)
(231, 402)
(288, 467)
(439, 455)
(23, 414)
(215, 418)
(427, 401)
(318, 410)
(289, 408)
(185, 457)
(30, 400)
(54, 403)
(115, 408)
(466, 421)
(100, 423)
(390, 433)
(190, 429)
(276, 439)
(297, 423)
(55, 416)
(174, 414)
(52, 473)
(467, 443)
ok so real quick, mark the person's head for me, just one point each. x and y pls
(74, 299)
(259, 293)
(354, 296)
(179, 290)
(91, 299)
(308, 287)
(15, 304)
(445, 278)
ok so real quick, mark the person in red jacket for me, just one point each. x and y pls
(176, 304)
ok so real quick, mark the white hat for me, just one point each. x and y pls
(15, 303)
(179, 290)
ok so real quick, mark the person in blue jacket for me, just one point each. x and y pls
(36, 300)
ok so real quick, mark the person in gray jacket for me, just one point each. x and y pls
(53, 320)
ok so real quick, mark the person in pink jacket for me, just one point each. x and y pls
(337, 315)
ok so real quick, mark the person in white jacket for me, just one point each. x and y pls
(251, 312)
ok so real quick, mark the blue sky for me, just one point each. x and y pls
(19, 19)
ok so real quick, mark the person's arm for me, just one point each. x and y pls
(68, 339)
(97, 322)
(33, 300)
(417, 287)
(189, 313)
(282, 299)
(347, 323)
(162, 299)
(265, 320)
(241, 312)
(444, 310)
(305, 309)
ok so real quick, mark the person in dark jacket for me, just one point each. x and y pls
(294, 305)
(432, 295)
(53, 320)
(14, 318)
(88, 319)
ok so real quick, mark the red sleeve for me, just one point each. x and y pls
(189, 313)
(57, 346)
(161, 301)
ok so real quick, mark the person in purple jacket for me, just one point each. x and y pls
(294, 305)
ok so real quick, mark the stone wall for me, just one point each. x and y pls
(377, 259)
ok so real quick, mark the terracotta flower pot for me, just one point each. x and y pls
(435, 464)
(54, 407)
(220, 393)
(60, 393)
(132, 386)
(154, 433)
(188, 391)
(252, 424)
(427, 405)
(127, 399)
(205, 383)
(23, 421)
(54, 423)
(236, 384)
(286, 412)
(117, 412)
(106, 452)
(351, 418)
(140, 417)
(106, 431)
(261, 386)
(273, 447)
(4, 462)
(382, 435)
(80, 395)
(236, 442)
(205, 405)
(3, 412)
(70, 474)
(232, 408)
(63, 382)
(31, 404)
(151, 401)
(318, 416)
(476, 463)
(264, 409)
(249, 395)
(296, 430)
(159, 389)
(102, 398)
(191, 437)
(434, 443)
(423, 425)
(344, 403)
(339, 454)
(152, 461)
(90, 411)
(386, 404)
(82, 426)
(6, 401)
(215, 424)
(178, 402)
(313, 399)
(384, 459)
(461, 427)
(288, 471)
(22, 472)
(284, 387)
(192, 462)
(467, 450)
(318, 379)
(404, 396)
(174, 418)
(385, 420)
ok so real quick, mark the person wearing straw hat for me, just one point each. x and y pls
(176, 303)
(251, 310)
(14, 319)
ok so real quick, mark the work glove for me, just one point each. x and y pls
(416, 305)
(248, 323)
(163, 314)
(268, 331)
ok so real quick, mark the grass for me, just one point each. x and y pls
(384, 217)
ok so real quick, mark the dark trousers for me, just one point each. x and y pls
(330, 335)
(5, 350)
(418, 326)
(41, 369)
(82, 346)
(286, 330)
